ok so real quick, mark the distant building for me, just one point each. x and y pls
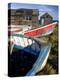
(23, 16)
(46, 19)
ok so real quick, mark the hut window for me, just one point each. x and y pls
(47, 16)
(30, 18)
(27, 18)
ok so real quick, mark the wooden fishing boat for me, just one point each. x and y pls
(27, 56)
(27, 30)
(41, 31)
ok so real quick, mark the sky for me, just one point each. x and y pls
(51, 9)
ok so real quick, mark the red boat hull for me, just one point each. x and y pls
(40, 31)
